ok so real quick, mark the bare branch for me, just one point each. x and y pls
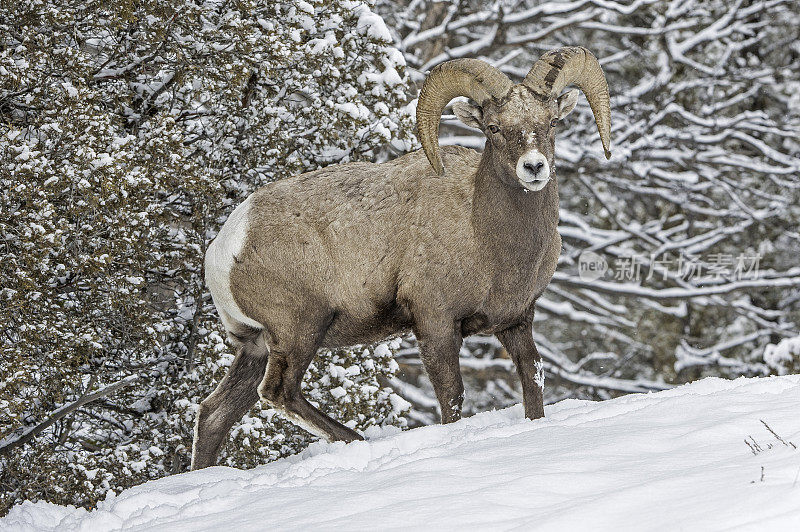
(24, 435)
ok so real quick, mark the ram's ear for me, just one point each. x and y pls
(469, 113)
(567, 102)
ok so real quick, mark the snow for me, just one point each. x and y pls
(372, 24)
(781, 355)
(338, 392)
(711, 455)
(70, 88)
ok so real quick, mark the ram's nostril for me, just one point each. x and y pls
(533, 168)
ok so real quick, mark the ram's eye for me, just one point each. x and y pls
(493, 128)
(553, 122)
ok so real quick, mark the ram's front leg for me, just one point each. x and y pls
(518, 341)
(439, 346)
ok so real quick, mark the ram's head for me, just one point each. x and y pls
(518, 120)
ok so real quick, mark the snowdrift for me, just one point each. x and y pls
(711, 455)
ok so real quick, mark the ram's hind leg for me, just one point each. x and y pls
(280, 388)
(235, 395)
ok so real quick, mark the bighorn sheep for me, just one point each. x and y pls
(452, 245)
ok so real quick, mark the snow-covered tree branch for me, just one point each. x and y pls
(694, 217)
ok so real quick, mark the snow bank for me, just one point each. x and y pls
(697, 457)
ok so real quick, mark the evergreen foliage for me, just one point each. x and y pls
(128, 131)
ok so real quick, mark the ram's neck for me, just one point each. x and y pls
(506, 217)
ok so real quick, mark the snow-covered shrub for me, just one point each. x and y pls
(127, 134)
(783, 358)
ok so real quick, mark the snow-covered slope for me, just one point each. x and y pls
(674, 460)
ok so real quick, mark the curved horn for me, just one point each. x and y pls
(574, 65)
(472, 78)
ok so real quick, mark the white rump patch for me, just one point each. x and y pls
(219, 262)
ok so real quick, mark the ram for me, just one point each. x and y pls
(447, 244)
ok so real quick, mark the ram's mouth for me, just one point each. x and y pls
(534, 186)
(533, 170)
